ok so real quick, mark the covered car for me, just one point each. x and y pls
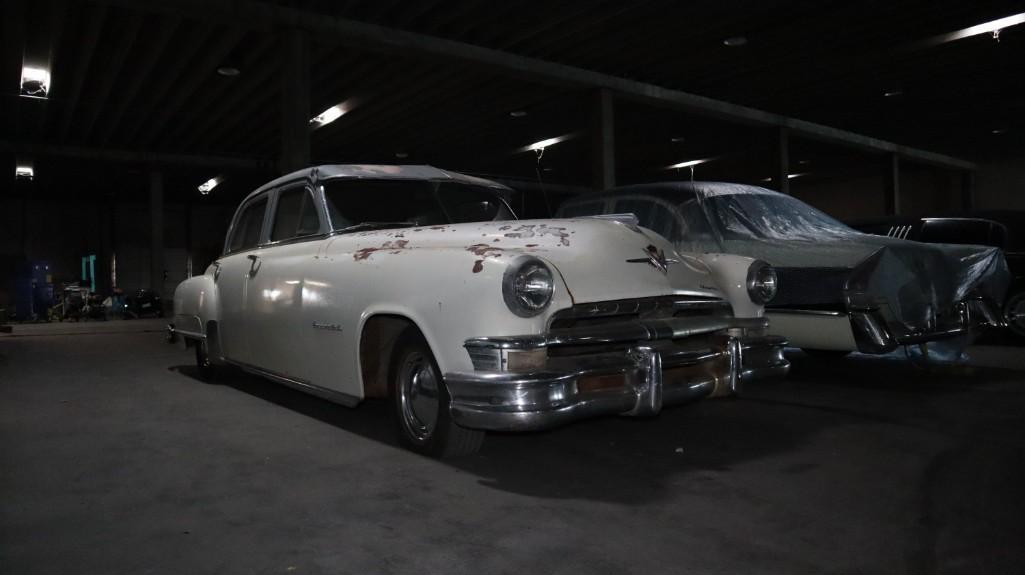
(839, 289)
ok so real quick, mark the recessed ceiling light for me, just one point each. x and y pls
(677, 139)
(893, 93)
(401, 155)
(689, 163)
(228, 71)
(209, 185)
(545, 143)
(998, 131)
(992, 27)
(518, 113)
(734, 41)
(24, 172)
(35, 82)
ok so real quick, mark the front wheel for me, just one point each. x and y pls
(421, 404)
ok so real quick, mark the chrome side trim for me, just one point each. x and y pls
(172, 330)
(301, 385)
(805, 311)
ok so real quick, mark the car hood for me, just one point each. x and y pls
(590, 254)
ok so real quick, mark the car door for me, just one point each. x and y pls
(234, 269)
(278, 294)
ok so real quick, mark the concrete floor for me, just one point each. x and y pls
(115, 459)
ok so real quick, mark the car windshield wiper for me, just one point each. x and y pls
(363, 226)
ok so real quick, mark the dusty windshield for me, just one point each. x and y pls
(380, 204)
(769, 216)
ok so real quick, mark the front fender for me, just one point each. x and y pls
(730, 274)
(450, 295)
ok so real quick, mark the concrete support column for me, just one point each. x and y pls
(968, 191)
(781, 173)
(893, 185)
(156, 225)
(295, 101)
(603, 140)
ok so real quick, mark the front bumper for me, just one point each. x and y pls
(656, 368)
(873, 334)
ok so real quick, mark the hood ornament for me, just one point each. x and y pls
(657, 258)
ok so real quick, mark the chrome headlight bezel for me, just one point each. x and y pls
(528, 286)
(762, 282)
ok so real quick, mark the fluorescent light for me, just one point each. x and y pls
(518, 113)
(331, 114)
(209, 185)
(789, 176)
(25, 172)
(994, 27)
(734, 41)
(228, 71)
(35, 82)
(689, 163)
(545, 143)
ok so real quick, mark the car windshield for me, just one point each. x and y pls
(767, 216)
(358, 205)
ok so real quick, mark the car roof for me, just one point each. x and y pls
(671, 190)
(378, 172)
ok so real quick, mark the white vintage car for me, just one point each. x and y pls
(419, 285)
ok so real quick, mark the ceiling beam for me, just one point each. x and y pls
(134, 157)
(265, 15)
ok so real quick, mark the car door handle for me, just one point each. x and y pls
(253, 268)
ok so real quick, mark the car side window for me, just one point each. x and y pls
(247, 229)
(295, 215)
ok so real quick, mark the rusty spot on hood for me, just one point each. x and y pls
(360, 255)
(478, 266)
(364, 253)
(484, 250)
(540, 230)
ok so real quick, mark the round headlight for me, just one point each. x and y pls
(528, 286)
(762, 283)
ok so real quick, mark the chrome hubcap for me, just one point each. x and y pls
(419, 395)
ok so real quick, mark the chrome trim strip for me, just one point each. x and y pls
(820, 312)
(298, 384)
(620, 332)
(172, 330)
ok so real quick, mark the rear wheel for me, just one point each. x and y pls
(826, 353)
(203, 364)
(421, 404)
